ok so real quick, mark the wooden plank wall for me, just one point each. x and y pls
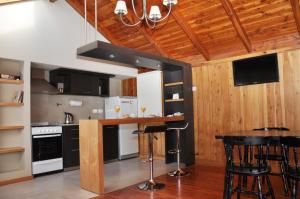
(220, 107)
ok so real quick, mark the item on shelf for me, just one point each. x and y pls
(175, 96)
(171, 115)
(178, 114)
(19, 97)
(11, 77)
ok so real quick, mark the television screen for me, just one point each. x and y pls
(256, 70)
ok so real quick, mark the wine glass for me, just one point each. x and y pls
(117, 109)
(143, 109)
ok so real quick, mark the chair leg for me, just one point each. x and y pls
(260, 194)
(230, 188)
(254, 183)
(226, 184)
(284, 179)
(294, 189)
(271, 192)
(239, 189)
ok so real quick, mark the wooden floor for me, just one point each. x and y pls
(203, 183)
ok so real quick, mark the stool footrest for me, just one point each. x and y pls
(174, 151)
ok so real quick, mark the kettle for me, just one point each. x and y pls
(68, 118)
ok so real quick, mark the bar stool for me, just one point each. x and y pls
(150, 130)
(177, 127)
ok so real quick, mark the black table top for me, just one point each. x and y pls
(273, 133)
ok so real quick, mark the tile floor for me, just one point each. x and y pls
(66, 185)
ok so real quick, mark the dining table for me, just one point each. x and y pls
(272, 134)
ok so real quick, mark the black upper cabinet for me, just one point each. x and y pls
(76, 82)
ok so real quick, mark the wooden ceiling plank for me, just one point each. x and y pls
(188, 31)
(237, 24)
(296, 11)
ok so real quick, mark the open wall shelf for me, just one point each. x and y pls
(174, 100)
(173, 84)
(15, 127)
(11, 104)
(8, 81)
(5, 150)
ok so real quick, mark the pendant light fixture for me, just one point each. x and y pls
(151, 20)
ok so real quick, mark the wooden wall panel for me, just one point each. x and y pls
(221, 107)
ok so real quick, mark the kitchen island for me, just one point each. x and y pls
(91, 148)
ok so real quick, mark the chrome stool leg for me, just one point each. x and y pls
(150, 184)
(178, 171)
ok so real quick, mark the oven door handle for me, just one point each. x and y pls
(46, 136)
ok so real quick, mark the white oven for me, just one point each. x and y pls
(46, 149)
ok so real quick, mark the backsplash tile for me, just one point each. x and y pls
(51, 108)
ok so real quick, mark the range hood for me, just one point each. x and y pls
(104, 51)
(40, 85)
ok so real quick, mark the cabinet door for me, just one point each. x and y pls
(71, 146)
(110, 142)
(84, 84)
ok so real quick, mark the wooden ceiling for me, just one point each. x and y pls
(204, 30)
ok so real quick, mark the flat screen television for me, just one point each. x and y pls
(256, 70)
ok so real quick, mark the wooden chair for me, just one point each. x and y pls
(291, 152)
(276, 154)
(240, 161)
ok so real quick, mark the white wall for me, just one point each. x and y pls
(49, 33)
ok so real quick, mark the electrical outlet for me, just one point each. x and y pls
(95, 111)
(194, 88)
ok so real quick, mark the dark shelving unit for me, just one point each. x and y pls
(179, 81)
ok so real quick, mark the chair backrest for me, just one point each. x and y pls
(156, 129)
(273, 142)
(291, 152)
(243, 150)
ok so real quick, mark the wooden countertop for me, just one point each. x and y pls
(140, 120)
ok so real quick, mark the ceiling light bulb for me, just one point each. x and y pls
(169, 2)
(121, 8)
(154, 13)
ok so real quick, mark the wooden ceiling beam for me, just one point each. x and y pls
(191, 35)
(296, 11)
(237, 24)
